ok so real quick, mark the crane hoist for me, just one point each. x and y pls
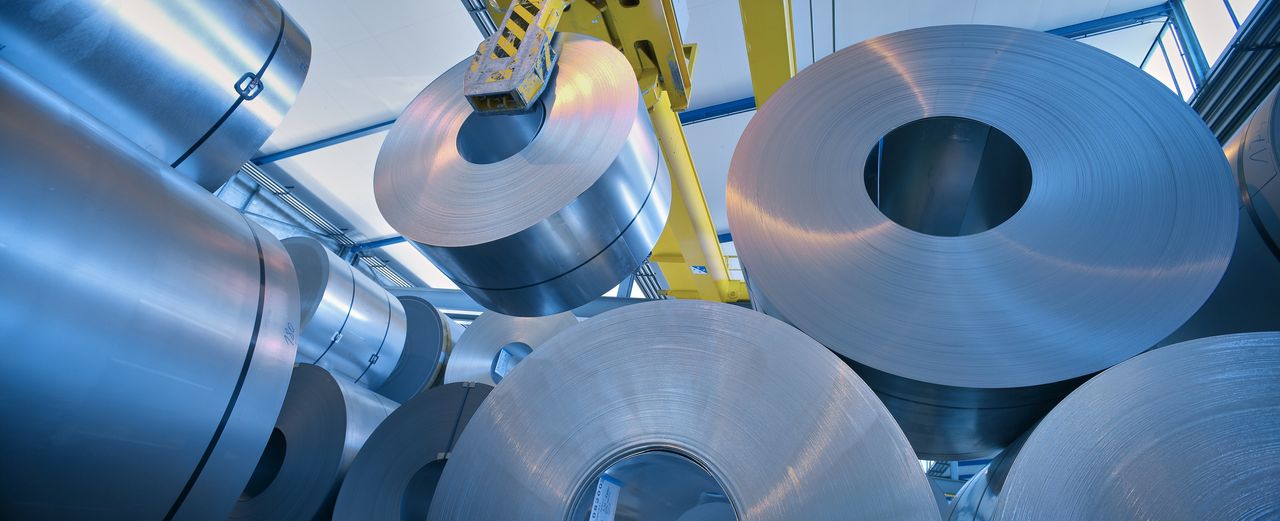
(512, 67)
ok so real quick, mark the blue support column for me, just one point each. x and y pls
(1197, 63)
(373, 245)
(1113, 22)
(322, 143)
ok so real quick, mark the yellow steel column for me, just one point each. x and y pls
(771, 52)
(688, 244)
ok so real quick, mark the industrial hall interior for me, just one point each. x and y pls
(640, 260)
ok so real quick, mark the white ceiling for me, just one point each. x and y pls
(369, 59)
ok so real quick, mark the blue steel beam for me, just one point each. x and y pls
(322, 143)
(720, 110)
(1113, 22)
(373, 245)
(1189, 44)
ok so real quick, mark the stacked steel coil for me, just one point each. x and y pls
(732, 399)
(429, 339)
(351, 325)
(978, 498)
(1189, 431)
(494, 343)
(973, 329)
(149, 328)
(198, 85)
(530, 214)
(395, 475)
(323, 425)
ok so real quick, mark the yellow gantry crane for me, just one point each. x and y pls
(512, 67)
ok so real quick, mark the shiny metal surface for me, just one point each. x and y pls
(570, 204)
(475, 356)
(1126, 229)
(323, 425)
(394, 477)
(776, 419)
(148, 326)
(977, 499)
(1184, 432)
(429, 338)
(1254, 155)
(164, 73)
(351, 325)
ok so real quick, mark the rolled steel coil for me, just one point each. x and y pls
(757, 408)
(537, 213)
(970, 335)
(978, 497)
(429, 339)
(494, 343)
(395, 475)
(1248, 298)
(351, 325)
(199, 85)
(149, 328)
(323, 425)
(1183, 432)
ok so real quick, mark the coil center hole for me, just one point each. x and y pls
(416, 500)
(947, 176)
(654, 485)
(488, 138)
(268, 466)
(506, 359)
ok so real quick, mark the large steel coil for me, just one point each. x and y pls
(494, 343)
(148, 327)
(429, 339)
(1039, 211)
(395, 475)
(1248, 298)
(199, 85)
(537, 213)
(324, 423)
(676, 406)
(978, 498)
(351, 325)
(1189, 431)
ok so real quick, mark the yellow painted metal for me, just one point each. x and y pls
(688, 251)
(510, 69)
(771, 53)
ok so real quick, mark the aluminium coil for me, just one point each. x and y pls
(148, 327)
(537, 213)
(167, 75)
(1126, 228)
(395, 475)
(429, 339)
(494, 343)
(323, 425)
(1186, 432)
(785, 429)
(351, 325)
(977, 498)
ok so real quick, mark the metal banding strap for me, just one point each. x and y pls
(373, 359)
(337, 335)
(244, 372)
(250, 91)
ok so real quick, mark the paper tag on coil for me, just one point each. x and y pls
(605, 505)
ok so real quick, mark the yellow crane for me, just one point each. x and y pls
(511, 69)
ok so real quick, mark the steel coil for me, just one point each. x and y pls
(429, 339)
(167, 75)
(1246, 298)
(537, 213)
(322, 426)
(978, 498)
(1184, 432)
(149, 328)
(351, 325)
(395, 475)
(971, 329)
(687, 403)
(494, 343)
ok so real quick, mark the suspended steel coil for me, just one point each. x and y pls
(530, 214)
(669, 397)
(494, 343)
(324, 423)
(351, 325)
(429, 338)
(1183, 432)
(199, 85)
(394, 477)
(149, 328)
(1098, 217)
